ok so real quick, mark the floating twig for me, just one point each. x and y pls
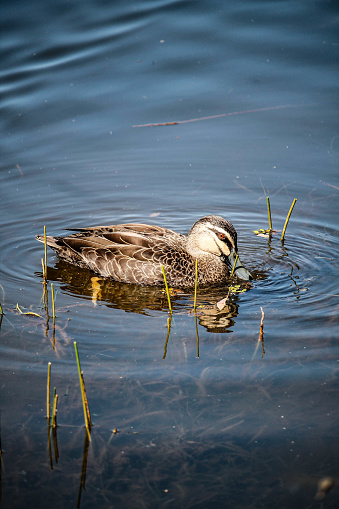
(282, 106)
(287, 219)
(29, 313)
(48, 388)
(167, 290)
(269, 213)
(87, 416)
(195, 285)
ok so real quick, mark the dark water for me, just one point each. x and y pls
(208, 416)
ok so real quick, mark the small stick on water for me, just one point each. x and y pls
(287, 219)
(235, 262)
(269, 213)
(45, 267)
(195, 285)
(83, 392)
(48, 388)
(167, 290)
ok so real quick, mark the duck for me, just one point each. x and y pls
(135, 253)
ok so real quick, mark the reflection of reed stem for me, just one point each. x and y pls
(261, 333)
(169, 320)
(54, 412)
(49, 445)
(55, 444)
(167, 290)
(287, 219)
(83, 468)
(53, 303)
(195, 285)
(235, 262)
(48, 388)
(86, 400)
(196, 330)
(261, 336)
(269, 213)
(83, 393)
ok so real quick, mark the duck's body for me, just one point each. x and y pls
(134, 253)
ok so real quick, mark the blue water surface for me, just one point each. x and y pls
(207, 412)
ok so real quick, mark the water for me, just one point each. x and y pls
(206, 413)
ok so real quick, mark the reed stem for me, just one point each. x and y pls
(235, 262)
(195, 285)
(269, 212)
(83, 393)
(1, 310)
(287, 219)
(167, 290)
(48, 389)
(45, 267)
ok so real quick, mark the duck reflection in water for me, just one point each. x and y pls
(146, 299)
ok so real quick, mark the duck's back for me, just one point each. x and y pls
(130, 253)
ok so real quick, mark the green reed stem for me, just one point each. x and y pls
(269, 212)
(167, 290)
(48, 388)
(287, 219)
(83, 392)
(1, 310)
(195, 285)
(235, 262)
(45, 267)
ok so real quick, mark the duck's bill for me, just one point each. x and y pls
(239, 269)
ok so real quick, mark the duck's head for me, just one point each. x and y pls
(215, 235)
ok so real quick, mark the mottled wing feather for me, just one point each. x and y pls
(129, 253)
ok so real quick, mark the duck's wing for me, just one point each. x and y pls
(131, 253)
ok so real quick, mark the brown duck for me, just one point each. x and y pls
(133, 253)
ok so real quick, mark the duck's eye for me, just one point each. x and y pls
(221, 236)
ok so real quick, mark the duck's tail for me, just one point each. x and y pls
(51, 241)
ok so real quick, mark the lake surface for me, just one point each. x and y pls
(207, 414)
